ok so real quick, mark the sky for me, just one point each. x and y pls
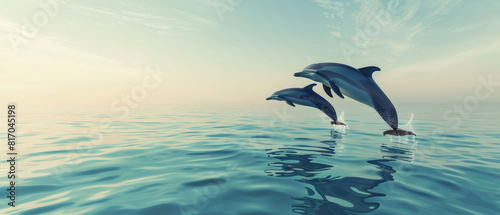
(238, 52)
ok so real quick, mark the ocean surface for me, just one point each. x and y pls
(251, 161)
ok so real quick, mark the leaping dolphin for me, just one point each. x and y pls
(307, 97)
(357, 84)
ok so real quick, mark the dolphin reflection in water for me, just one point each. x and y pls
(333, 194)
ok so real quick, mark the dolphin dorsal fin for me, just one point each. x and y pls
(309, 87)
(368, 71)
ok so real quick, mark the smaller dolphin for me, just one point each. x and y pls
(307, 97)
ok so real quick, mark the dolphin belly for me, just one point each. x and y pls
(302, 102)
(355, 88)
(386, 109)
(357, 94)
(317, 102)
(366, 91)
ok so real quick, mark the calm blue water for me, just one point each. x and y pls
(272, 160)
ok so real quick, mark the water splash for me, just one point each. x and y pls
(409, 124)
(339, 131)
(409, 139)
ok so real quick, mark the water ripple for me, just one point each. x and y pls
(236, 162)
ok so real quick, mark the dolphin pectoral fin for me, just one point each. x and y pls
(368, 71)
(287, 101)
(398, 132)
(290, 103)
(328, 91)
(336, 90)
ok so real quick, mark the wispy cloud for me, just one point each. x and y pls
(162, 20)
(366, 11)
(143, 15)
(41, 46)
(94, 10)
(446, 66)
(183, 21)
(406, 21)
(333, 10)
(446, 77)
(465, 28)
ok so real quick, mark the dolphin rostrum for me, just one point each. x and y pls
(307, 97)
(357, 84)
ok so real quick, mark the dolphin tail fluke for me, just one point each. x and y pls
(398, 132)
(335, 122)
